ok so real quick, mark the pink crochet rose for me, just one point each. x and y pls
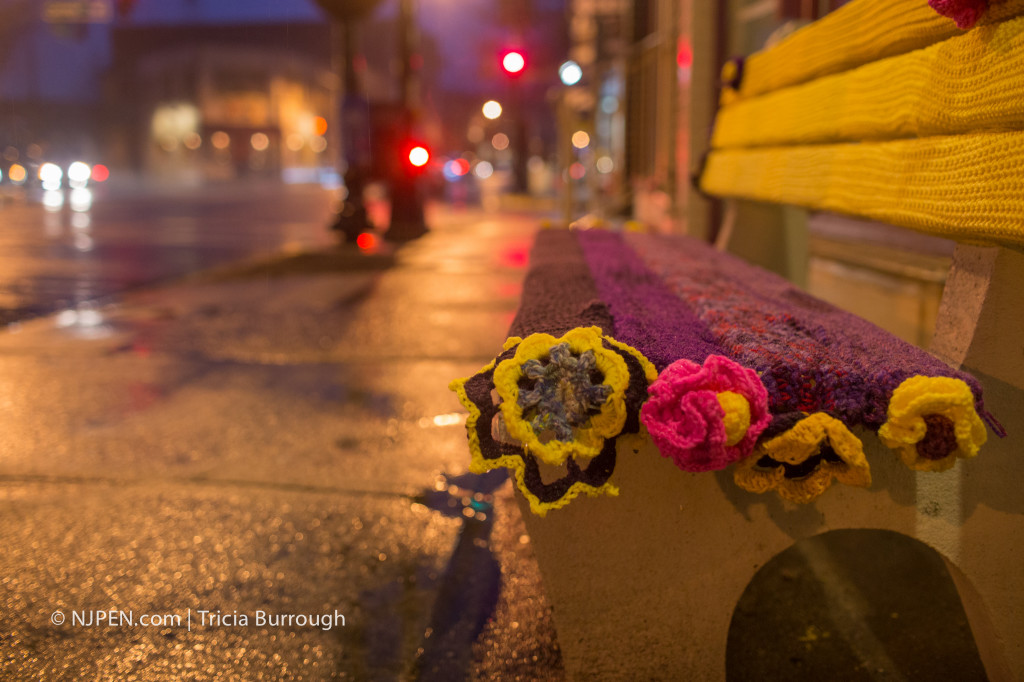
(706, 418)
(964, 12)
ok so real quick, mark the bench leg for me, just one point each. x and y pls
(980, 326)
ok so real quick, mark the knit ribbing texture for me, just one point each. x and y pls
(969, 83)
(857, 33)
(965, 187)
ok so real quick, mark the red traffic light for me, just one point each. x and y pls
(513, 62)
(419, 156)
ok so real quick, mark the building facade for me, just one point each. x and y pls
(219, 102)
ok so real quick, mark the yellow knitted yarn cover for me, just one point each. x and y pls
(964, 187)
(969, 83)
(857, 33)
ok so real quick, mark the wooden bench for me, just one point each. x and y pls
(883, 110)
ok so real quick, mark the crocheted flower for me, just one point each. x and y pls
(964, 12)
(546, 486)
(801, 462)
(563, 397)
(706, 418)
(931, 422)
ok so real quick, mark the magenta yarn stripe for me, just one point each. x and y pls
(811, 355)
(558, 294)
(647, 315)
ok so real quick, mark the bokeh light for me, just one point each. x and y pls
(418, 156)
(295, 141)
(483, 170)
(513, 62)
(492, 109)
(259, 141)
(570, 72)
(51, 175)
(367, 241)
(100, 173)
(220, 139)
(17, 174)
(79, 174)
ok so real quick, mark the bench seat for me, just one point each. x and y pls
(712, 414)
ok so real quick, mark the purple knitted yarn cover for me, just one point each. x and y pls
(646, 313)
(559, 292)
(558, 297)
(693, 410)
(811, 356)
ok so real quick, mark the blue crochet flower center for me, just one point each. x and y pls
(562, 393)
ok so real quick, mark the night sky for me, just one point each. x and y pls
(66, 63)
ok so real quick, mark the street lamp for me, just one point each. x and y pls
(570, 73)
(491, 110)
(352, 219)
(406, 201)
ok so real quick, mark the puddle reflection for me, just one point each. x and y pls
(469, 587)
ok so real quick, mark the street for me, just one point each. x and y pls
(127, 236)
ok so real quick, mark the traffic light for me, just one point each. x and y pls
(414, 156)
(418, 156)
(513, 63)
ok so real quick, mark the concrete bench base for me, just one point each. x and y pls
(644, 584)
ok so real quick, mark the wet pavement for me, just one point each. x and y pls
(130, 234)
(242, 475)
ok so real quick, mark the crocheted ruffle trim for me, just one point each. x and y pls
(703, 417)
(932, 423)
(801, 462)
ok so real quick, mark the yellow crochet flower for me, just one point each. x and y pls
(564, 397)
(800, 463)
(931, 422)
(544, 486)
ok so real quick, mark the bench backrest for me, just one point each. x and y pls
(885, 110)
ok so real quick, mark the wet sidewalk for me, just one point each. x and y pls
(242, 475)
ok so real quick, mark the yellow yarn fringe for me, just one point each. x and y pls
(857, 33)
(965, 187)
(969, 83)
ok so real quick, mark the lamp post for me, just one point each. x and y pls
(352, 219)
(407, 219)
